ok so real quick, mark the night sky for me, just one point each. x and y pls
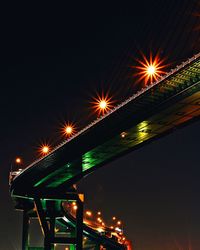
(53, 61)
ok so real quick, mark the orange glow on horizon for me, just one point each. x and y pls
(102, 104)
(150, 70)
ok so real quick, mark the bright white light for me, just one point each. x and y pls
(99, 229)
(151, 70)
(103, 104)
(118, 229)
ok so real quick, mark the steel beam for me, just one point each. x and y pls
(58, 196)
(79, 225)
(41, 217)
(47, 243)
(52, 231)
(25, 231)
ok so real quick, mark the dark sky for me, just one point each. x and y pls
(52, 60)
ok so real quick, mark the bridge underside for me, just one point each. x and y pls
(161, 108)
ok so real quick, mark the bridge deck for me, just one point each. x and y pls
(156, 110)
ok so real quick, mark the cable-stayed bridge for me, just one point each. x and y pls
(43, 188)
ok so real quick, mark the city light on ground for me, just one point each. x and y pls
(88, 213)
(119, 223)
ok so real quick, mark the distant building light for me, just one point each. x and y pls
(118, 229)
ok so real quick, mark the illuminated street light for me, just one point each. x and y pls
(99, 219)
(68, 129)
(18, 160)
(45, 149)
(75, 207)
(150, 69)
(88, 213)
(119, 222)
(102, 104)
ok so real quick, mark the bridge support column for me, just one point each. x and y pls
(47, 243)
(47, 219)
(25, 230)
(48, 239)
(79, 225)
(52, 231)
